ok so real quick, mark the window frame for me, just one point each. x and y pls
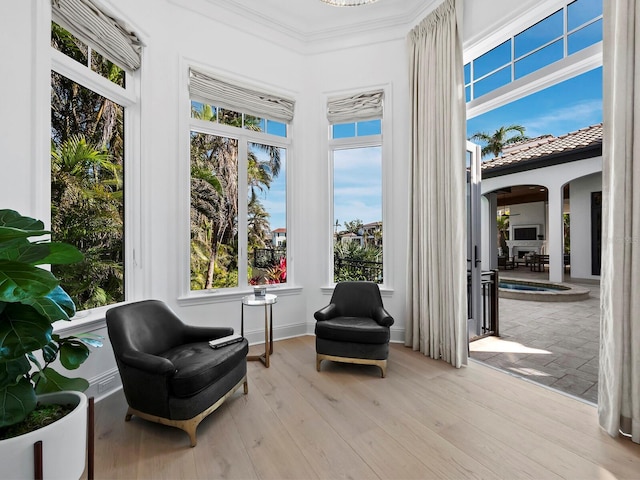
(129, 98)
(244, 137)
(354, 143)
(568, 67)
(514, 58)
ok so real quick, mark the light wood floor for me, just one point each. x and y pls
(424, 420)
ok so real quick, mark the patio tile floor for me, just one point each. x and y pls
(552, 343)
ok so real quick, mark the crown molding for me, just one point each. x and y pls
(320, 39)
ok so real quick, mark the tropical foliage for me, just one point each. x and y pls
(214, 201)
(31, 299)
(566, 221)
(87, 189)
(494, 143)
(503, 232)
(354, 261)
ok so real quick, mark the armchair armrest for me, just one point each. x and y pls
(326, 313)
(148, 363)
(382, 317)
(204, 334)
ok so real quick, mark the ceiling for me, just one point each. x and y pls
(310, 20)
(518, 194)
(521, 194)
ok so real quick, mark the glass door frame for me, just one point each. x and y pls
(474, 246)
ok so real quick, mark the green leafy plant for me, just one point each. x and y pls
(31, 300)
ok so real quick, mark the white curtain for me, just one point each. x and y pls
(108, 35)
(231, 95)
(437, 283)
(619, 378)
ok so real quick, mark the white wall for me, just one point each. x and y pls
(352, 70)
(580, 231)
(22, 156)
(534, 213)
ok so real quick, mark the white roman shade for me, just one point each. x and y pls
(350, 108)
(234, 97)
(104, 33)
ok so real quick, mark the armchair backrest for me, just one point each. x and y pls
(356, 299)
(149, 326)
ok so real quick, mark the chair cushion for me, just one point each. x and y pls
(352, 329)
(198, 365)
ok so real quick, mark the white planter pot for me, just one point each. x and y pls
(64, 443)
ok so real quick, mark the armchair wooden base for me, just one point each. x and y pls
(190, 425)
(382, 364)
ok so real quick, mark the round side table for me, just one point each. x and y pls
(267, 301)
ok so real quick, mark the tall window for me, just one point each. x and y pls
(88, 151)
(356, 151)
(235, 242)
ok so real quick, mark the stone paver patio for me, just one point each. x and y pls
(552, 343)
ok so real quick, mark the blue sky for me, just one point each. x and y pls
(274, 200)
(357, 185)
(560, 109)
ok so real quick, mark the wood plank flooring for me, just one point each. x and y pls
(424, 420)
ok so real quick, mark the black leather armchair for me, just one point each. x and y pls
(354, 327)
(170, 374)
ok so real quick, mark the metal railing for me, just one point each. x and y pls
(350, 269)
(490, 325)
(490, 315)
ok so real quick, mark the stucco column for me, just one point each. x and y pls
(555, 235)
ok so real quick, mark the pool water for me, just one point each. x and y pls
(527, 288)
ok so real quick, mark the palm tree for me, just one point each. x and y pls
(503, 232)
(495, 143)
(258, 229)
(86, 211)
(214, 206)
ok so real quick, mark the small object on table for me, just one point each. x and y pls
(260, 291)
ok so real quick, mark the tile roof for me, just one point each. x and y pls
(546, 145)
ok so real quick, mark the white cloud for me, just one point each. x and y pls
(563, 120)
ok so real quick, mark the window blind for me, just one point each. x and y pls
(361, 106)
(107, 35)
(235, 97)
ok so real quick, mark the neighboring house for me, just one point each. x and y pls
(372, 233)
(368, 234)
(350, 237)
(279, 237)
(538, 181)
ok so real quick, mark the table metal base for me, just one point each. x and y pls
(268, 334)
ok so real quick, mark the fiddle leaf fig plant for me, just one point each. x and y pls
(31, 300)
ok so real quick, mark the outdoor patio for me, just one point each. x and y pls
(552, 343)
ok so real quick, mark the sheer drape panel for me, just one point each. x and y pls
(437, 320)
(619, 378)
(230, 95)
(350, 108)
(109, 36)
